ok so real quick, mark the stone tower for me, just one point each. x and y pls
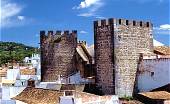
(118, 44)
(57, 54)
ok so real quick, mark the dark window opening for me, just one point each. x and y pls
(120, 21)
(119, 37)
(127, 22)
(147, 24)
(140, 23)
(134, 23)
(152, 73)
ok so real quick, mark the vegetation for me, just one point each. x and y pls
(128, 98)
(11, 51)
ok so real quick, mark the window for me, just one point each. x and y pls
(152, 74)
(119, 37)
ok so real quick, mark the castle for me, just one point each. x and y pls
(62, 56)
(58, 53)
(118, 44)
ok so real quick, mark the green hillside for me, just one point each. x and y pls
(15, 51)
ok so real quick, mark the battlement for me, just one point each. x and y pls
(58, 50)
(58, 32)
(125, 22)
(52, 35)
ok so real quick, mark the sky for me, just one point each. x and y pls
(22, 20)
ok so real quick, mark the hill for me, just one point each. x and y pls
(11, 51)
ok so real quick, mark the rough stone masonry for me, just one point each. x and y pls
(57, 54)
(118, 44)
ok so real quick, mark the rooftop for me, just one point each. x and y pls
(39, 96)
(160, 95)
(164, 50)
(27, 71)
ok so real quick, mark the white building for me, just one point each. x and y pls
(34, 60)
(153, 73)
(16, 81)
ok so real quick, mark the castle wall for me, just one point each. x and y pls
(117, 47)
(57, 54)
(131, 38)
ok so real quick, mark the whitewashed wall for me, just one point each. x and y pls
(154, 73)
(13, 74)
(9, 92)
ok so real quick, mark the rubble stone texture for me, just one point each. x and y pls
(57, 54)
(118, 44)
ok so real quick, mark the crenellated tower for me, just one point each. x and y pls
(118, 44)
(57, 54)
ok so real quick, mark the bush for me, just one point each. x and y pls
(127, 98)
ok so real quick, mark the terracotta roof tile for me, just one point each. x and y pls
(39, 96)
(162, 50)
(27, 72)
(157, 95)
(3, 73)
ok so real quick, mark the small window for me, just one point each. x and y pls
(120, 21)
(152, 74)
(119, 37)
(140, 23)
(127, 22)
(134, 23)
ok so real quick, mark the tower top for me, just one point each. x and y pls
(126, 22)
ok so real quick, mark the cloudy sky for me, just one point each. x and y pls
(21, 20)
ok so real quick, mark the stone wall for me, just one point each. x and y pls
(118, 43)
(57, 54)
(103, 46)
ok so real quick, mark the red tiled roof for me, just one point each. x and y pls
(162, 95)
(27, 72)
(163, 50)
(39, 96)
